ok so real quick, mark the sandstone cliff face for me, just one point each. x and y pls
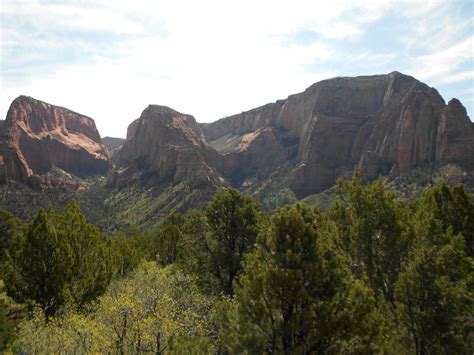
(113, 145)
(167, 144)
(384, 124)
(37, 136)
(259, 152)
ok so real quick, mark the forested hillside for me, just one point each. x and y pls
(371, 274)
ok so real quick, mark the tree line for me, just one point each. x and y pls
(372, 274)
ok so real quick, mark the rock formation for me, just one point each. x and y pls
(168, 146)
(383, 124)
(37, 136)
(113, 145)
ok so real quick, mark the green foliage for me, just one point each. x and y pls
(10, 234)
(144, 208)
(373, 232)
(194, 254)
(434, 292)
(370, 275)
(218, 240)
(165, 240)
(233, 222)
(62, 259)
(296, 294)
(11, 314)
(453, 208)
(154, 310)
(66, 334)
(130, 250)
(433, 299)
(145, 312)
(271, 193)
(6, 326)
(226, 144)
(192, 345)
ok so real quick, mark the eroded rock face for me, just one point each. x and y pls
(258, 152)
(113, 145)
(169, 146)
(383, 124)
(37, 136)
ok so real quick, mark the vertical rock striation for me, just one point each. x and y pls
(37, 136)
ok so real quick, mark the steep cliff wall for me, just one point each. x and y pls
(37, 136)
(383, 124)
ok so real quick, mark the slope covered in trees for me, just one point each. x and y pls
(372, 274)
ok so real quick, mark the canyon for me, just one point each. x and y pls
(382, 125)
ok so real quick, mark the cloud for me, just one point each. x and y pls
(63, 15)
(457, 77)
(443, 64)
(434, 24)
(109, 60)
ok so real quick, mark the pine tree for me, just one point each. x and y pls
(373, 231)
(454, 208)
(10, 234)
(62, 259)
(433, 296)
(218, 240)
(296, 294)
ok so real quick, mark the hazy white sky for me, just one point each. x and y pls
(110, 59)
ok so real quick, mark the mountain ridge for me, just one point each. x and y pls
(280, 152)
(37, 136)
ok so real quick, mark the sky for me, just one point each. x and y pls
(110, 59)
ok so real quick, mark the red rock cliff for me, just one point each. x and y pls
(383, 124)
(167, 144)
(37, 136)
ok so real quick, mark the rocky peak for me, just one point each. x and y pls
(168, 146)
(38, 136)
(382, 124)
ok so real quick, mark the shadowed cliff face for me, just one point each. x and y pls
(37, 136)
(167, 144)
(384, 124)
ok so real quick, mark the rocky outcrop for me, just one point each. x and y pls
(383, 124)
(132, 129)
(37, 136)
(455, 136)
(113, 145)
(257, 153)
(166, 146)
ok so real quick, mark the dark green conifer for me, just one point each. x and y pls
(62, 259)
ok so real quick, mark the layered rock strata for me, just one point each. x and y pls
(37, 136)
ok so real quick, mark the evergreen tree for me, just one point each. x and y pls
(129, 249)
(434, 292)
(62, 259)
(373, 229)
(10, 234)
(168, 238)
(233, 221)
(164, 241)
(454, 208)
(296, 294)
(217, 241)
